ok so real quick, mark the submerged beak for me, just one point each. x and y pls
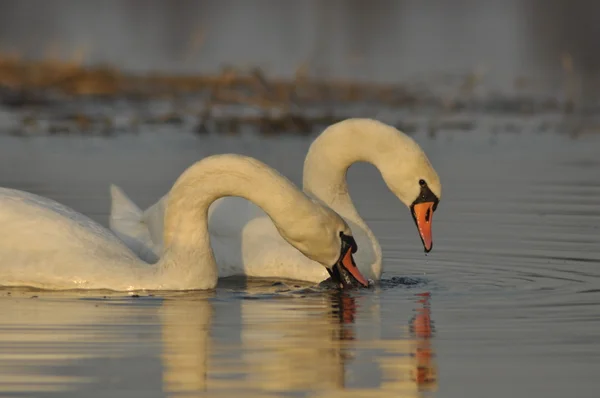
(423, 216)
(344, 272)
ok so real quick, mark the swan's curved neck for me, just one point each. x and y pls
(187, 255)
(327, 163)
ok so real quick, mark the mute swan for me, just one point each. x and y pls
(403, 166)
(45, 244)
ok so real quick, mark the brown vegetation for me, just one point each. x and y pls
(50, 96)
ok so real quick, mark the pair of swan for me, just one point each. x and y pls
(247, 242)
(290, 234)
(47, 245)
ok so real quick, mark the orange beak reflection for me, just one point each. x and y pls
(423, 215)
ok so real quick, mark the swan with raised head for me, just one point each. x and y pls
(402, 163)
(47, 245)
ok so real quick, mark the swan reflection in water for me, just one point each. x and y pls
(189, 343)
(295, 343)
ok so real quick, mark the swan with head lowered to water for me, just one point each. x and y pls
(258, 249)
(47, 245)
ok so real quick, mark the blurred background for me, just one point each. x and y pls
(380, 40)
(281, 58)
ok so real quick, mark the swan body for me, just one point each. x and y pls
(402, 163)
(47, 245)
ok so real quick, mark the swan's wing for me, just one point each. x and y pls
(126, 220)
(29, 214)
(153, 221)
(266, 254)
(50, 244)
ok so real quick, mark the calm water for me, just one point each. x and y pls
(507, 303)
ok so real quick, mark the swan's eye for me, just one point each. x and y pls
(349, 241)
(422, 182)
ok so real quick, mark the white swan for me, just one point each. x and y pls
(402, 163)
(45, 244)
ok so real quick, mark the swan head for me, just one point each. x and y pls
(411, 177)
(400, 160)
(323, 236)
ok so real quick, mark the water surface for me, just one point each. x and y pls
(506, 304)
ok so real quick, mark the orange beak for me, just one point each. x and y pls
(350, 266)
(423, 215)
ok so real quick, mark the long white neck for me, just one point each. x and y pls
(188, 257)
(328, 160)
